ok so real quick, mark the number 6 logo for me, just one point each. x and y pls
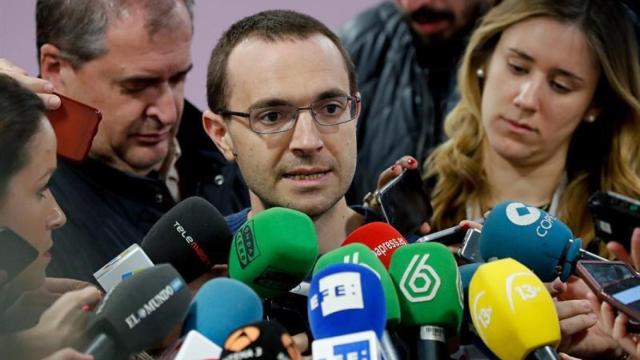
(419, 272)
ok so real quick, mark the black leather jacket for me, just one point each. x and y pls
(405, 95)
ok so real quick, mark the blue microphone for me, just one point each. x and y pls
(531, 236)
(220, 306)
(346, 299)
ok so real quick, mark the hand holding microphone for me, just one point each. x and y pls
(60, 326)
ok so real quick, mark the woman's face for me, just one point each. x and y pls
(539, 85)
(28, 207)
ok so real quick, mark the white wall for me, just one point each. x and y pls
(212, 17)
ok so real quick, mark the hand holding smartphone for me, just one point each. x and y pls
(75, 125)
(614, 216)
(615, 282)
(404, 203)
(16, 255)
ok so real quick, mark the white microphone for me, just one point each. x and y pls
(192, 346)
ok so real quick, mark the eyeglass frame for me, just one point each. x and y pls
(352, 98)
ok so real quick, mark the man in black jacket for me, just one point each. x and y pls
(406, 56)
(129, 60)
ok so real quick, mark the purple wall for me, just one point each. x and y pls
(212, 17)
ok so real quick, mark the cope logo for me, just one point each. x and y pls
(521, 214)
(338, 292)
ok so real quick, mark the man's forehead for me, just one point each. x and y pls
(135, 52)
(259, 67)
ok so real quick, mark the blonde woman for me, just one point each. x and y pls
(549, 113)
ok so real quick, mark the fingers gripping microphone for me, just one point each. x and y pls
(193, 237)
(260, 340)
(360, 254)
(220, 306)
(512, 311)
(429, 288)
(274, 251)
(531, 236)
(138, 313)
(346, 299)
(382, 238)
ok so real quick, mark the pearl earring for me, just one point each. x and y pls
(480, 73)
(590, 118)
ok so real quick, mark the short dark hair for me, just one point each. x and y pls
(78, 27)
(21, 113)
(270, 26)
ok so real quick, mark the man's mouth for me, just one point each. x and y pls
(306, 174)
(154, 137)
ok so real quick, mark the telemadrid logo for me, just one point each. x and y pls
(521, 214)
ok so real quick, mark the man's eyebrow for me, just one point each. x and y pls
(152, 79)
(561, 71)
(279, 102)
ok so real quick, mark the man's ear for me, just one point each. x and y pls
(53, 66)
(359, 104)
(215, 126)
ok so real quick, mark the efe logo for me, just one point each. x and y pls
(521, 214)
(338, 292)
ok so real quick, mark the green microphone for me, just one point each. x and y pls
(356, 253)
(429, 287)
(274, 251)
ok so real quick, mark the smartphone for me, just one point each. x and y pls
(451, 236)
(470, 249)
(404, 203)
(16, 253)
(75, 125)
(615, 282)
(614, 216)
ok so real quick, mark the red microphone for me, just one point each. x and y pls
(382, 238)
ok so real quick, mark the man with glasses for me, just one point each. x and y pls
(284, 105)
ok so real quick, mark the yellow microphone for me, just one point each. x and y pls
(512, 312)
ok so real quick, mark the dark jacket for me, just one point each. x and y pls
(404, 94)
(108, 210)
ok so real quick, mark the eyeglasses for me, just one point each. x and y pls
(325, 112)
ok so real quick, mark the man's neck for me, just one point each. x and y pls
(332, 227)
(532, 184)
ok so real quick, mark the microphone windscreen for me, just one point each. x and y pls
(260, 340)
(428, 284)
(274, 251)
(220, 306)
(193, 237)
(382, 238)
(345, 299)
(466, 274)
(141, 310)
(533, 237)
(511, 310)
(360, 254)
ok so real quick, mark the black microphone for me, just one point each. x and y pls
(260, 340)
(137, 313)
(193, 237)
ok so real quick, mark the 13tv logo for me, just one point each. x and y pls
(358, 346)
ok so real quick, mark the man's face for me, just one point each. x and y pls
(440, 20)
(138, 85)
(309, 167)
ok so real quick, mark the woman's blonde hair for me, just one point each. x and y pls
(602, 155)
